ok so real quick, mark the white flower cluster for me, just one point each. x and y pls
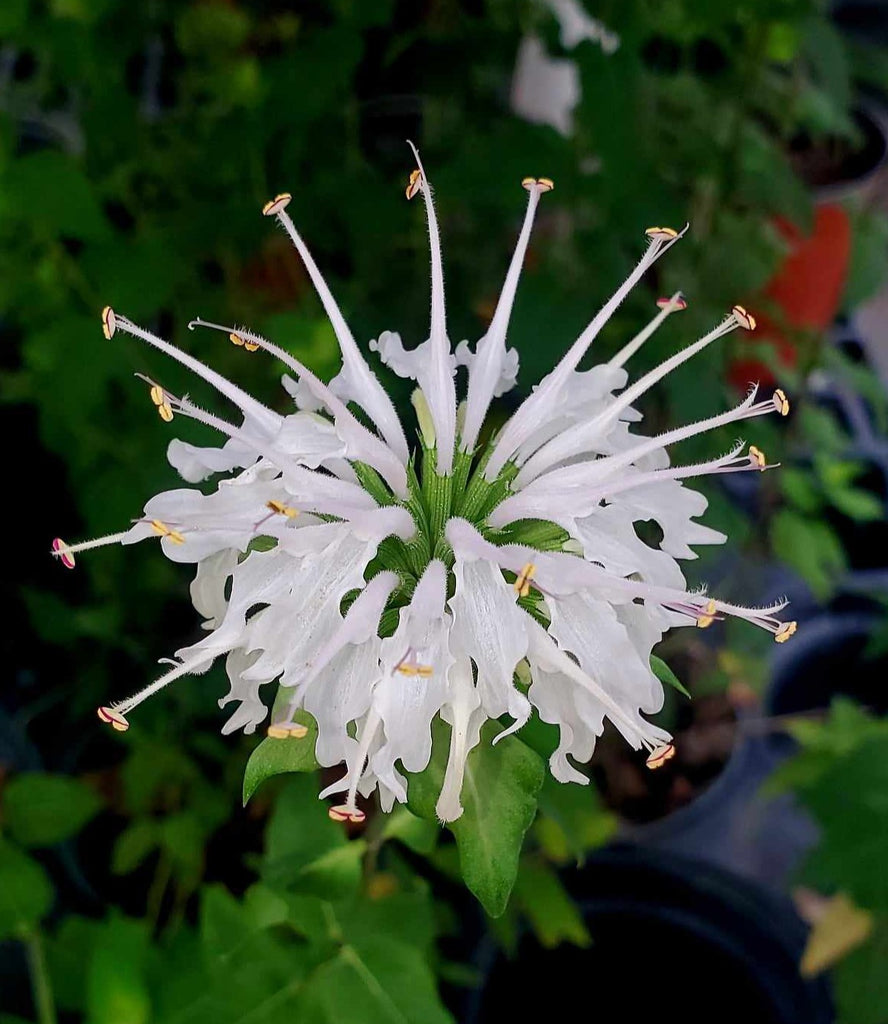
(470, 581)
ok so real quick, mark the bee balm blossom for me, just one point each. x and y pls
(468, 580)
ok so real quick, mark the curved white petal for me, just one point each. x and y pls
(489, 628)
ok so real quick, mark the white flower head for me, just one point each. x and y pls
(469, 580)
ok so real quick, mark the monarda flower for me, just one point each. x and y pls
(470, 579)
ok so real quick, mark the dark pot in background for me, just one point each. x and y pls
(671, 939)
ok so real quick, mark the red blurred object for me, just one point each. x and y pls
(807, 288)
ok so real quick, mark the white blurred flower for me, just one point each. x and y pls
(473, 579)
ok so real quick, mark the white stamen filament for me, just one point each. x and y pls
(364, 444)
(124, 707)
(248, 405)
(440, 388)
(540, 402)
(576, 439)
(491, 348)
(631, 347)
(86, 545)
(376, 402)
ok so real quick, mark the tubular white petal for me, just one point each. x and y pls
(637, 732)
(360, 382)
(362, 444)
(543, 402)
(577, 439)
(359, 625)
(489, 628)
(465, 716)
(437, 380)
(490, 354)
(593, 472)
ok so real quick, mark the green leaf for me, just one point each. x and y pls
(305, 851)
(811, 547)
(499, 798)
(850, 805)
(382, 981)
(665, 674)
(415, 833)
(116, 989)
(553, 915)
(134, 844)
(860, 981)
(278, 757)
(55, 194)
(13, 14)
(571, 821)
(25, 892)
(41, 809)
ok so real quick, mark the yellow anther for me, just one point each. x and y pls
(757, 456)
(406, 668)
(543, 184)
(287, 730)
(425, 671)
(276, 205)
(109, 322)
(414, 184)
(281, 509)
(162, 530)
(745, 319)
(113, 718)
(346, 813)
(235, 338)
(165, 412)
(786, 630)
(522, 583)
(658, 757)
(250, 346)
(707, 618)
(158, 395)
(781, 402)
(661, 234)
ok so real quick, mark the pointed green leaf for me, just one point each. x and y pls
(41, 809)
(665, 674)
(499, 798)
(25, 891)
(278, 757)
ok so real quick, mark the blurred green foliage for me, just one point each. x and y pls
(137, 145)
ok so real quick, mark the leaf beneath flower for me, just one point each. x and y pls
(499, 797)
(277, 757)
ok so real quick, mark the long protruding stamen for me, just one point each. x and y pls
(349, 811)
(538, 405)
(115, 714)
(438, 384)
(367, 446)
(592, 473)
(248, 405)
(326, 495)
(667, 307)
(489, 354)
(369, 393)
(65, 552)
(577, 438)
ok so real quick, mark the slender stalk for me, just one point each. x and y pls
(41, 986)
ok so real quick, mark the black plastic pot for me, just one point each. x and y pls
(671, 939)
